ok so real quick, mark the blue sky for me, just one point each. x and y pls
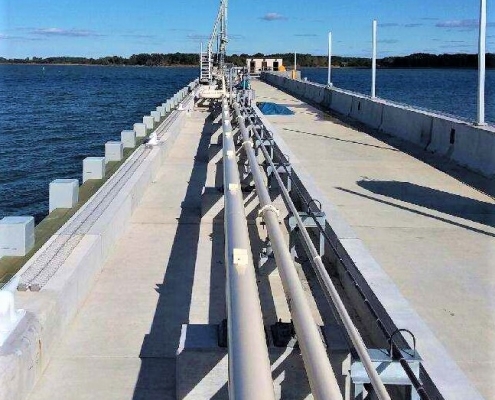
(93, 28)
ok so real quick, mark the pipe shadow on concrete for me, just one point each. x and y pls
(447, 203)
(478, 211)
(156, 378)
(442, 163)
(340, 140)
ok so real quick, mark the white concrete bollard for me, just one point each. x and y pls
(128, 139)
(16, 236)
(64, 193)
(114, 151)
(93, 168)
(156, 115)
(140, 129)
(161, 110)
(9, 315)
(149, 121)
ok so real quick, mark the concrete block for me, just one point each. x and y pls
(441, 131)
(301, 88)
(408, 124)
(114, 151)
(161, 110)
(168, 106)
(156, 116)
(327, 97)
(64, 193)
(149, 121)
(474, 147)
(16, 236)
(128, 139)
(367, 111)
(93, 168)
(140, 129)
(341, 102)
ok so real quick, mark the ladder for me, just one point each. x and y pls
(205, 66)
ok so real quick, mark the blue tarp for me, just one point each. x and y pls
(274, 109)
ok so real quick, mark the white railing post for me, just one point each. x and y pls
(329, 81)
(481, 64)
(373, 61)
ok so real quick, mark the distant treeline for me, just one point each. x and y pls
(418, 60)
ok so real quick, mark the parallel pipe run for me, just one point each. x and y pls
(396, 352)
(327, 284)
(320, 373)
(249, 365)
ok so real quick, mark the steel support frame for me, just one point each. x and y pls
(397, 353)
(249, 364)
(320, 374)
(324, 278)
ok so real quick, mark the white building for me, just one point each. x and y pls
(256, 65)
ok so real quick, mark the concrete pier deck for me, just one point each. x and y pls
(165, 271)
(429, 231)
(433, 234)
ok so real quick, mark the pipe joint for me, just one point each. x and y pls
(268, 207)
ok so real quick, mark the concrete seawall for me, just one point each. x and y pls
(466, 144)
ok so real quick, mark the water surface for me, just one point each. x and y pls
(52, 117)
(450, 91)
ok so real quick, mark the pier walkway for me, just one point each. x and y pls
(433, 234)
(166, 270)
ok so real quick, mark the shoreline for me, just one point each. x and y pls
(196, 66)
(99, 65)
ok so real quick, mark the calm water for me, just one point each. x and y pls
(51, 120)
(451, 91)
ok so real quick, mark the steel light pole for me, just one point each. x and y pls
(373, 61)
(329, 81)
(481, 64)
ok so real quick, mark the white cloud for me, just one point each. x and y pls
(64, 32)
(273, 17)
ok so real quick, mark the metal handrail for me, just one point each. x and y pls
(321, 376)
(329, 288)
(397, 354)
(249, 365)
